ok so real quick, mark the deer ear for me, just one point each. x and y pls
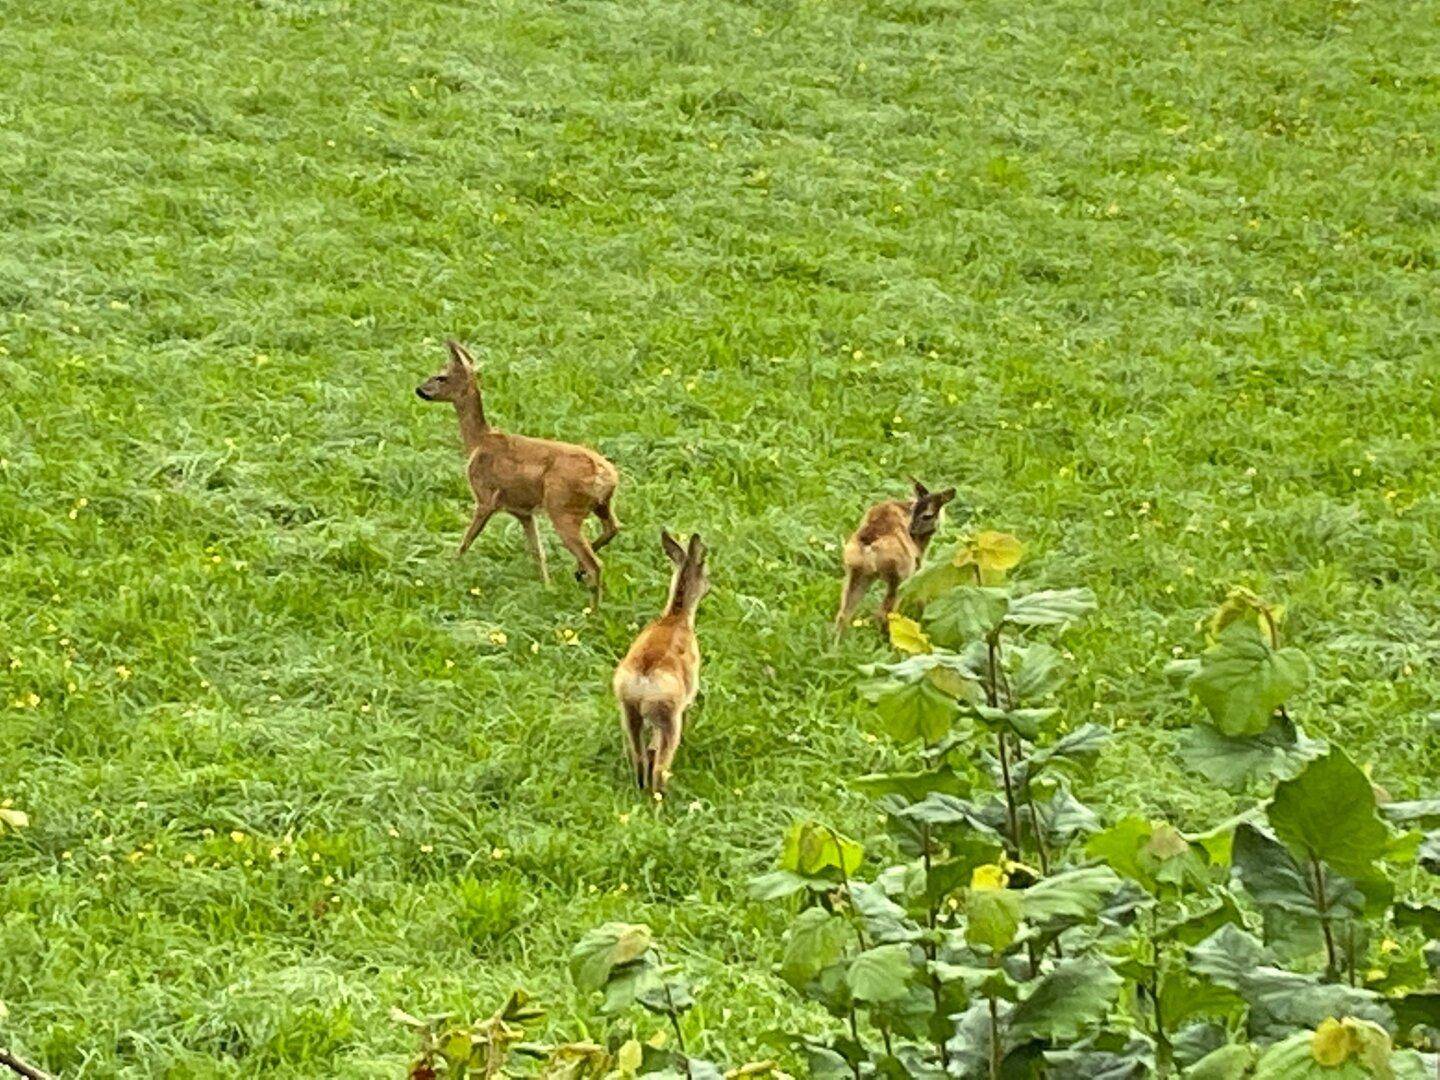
(946, 496)
(920, 489)
(673, 551)
(697, 548)
(460, 354)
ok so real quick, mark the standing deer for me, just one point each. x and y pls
(521, 475)
(889, 544)
(658, 678)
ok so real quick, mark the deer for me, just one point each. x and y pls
(660, 675)
(890, 544)
(523, 476)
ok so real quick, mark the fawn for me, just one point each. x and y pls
(890, 544)
(521, 475)
(658, 678)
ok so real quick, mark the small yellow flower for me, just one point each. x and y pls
(498, 638)
(123, 671)
(237, 837)
(189, 859)
(393, 831)
(497, 853)
(427, 848)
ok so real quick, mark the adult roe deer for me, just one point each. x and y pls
(660, 675)
(522, 476)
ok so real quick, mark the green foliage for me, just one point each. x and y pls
(229, 229)
(1242, 679)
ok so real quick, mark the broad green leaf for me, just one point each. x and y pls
(932, 580)
(880, 974)
(1417, 1009)
(1073, 996)
(992, 918)
(816, 940)
(1280, 1001)
(1040, 672)
(1422, 812)
(667, 996)
(884, 920)
(1424, 916)
(917, 710)
(781, 883)
(939, 809)
(1027, 723)
(1050, 607)
(969, 613)
(605, 948)
(906, 635)
(1072, 894)
(1230, 1062)
(811, 849)
(1329, 812)
(912, 786)
(1242, 680)
(1074, 747)
(1235, 762)
(1184, 997)
(1119, 847)
(1335, 1050)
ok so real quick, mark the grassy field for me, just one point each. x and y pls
(1155, 285)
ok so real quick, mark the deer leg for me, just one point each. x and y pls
(632, 726)
(484, 511)
(609, 525)
(532, 543)
(887, 605)
(851, 593)
(667, 741)
(568, 526)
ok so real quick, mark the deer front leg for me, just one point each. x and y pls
(532, 542)
(484, 511)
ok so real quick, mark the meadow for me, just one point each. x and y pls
(1154, 285)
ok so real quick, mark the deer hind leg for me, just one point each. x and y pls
(857, 584)
(484, 510)
(610, 525)
(666, 723)
(632, 726)
(572, 535)
(887, 605)
(532, 543)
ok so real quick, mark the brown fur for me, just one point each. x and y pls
(660, 675)
(889, 545)
(522, 476)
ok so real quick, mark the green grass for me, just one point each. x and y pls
(1153, 284)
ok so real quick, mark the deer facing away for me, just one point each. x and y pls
(523, 476)
(890, 545)
(660, 675)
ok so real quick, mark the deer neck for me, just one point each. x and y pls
(680, 604)
(471, 412)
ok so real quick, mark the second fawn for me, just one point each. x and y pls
(523, 476)
(889, 544)
(660, 675)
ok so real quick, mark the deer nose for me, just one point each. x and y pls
(420, 393)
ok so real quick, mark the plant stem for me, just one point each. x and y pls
(932, 920)
(1164, 1053)
(1322, 905)
(855, 1036)
(1037, 825)
(994, 1041)
(22, 1068)
(1010, 814)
